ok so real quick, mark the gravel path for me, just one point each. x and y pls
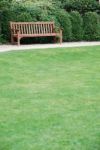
(4, 48)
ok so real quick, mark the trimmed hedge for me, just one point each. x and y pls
(91, 26)
(6, 17)
(81, 6)
(65, 24)
(75, 23)
(77, 26)
(23, 17)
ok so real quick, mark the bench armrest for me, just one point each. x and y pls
(57, 30)
(15, 31)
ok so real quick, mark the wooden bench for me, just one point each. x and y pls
(20, 30)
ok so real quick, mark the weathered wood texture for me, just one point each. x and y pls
(33, 29)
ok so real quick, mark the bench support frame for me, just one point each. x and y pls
(20, 30)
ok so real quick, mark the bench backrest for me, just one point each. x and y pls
(32, 27)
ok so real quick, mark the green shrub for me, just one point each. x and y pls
(51, 10)
(2, 39)
(6, 17)
(82, 6)
(24, 17)
(65, 24)
(77, 26)
(91, 26)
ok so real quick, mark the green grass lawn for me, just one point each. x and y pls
(50, 99)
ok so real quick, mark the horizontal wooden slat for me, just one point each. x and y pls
(36, 35)
(32, 22)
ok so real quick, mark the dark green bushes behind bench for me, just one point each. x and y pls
(77, 26)
(82, 6)
(65, 24)
(78, 23)
(91, 26)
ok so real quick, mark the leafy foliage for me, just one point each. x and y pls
(77, 26)
(91, 26)
(49, 10)
(82, 6)
(65, 23)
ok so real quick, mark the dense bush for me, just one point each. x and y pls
(2, 39)
(77, 26)
(6, 17)
(82, 6)
(25, 16)
(91, 26)
(65, 24)
(67, 14)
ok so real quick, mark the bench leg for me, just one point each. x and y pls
(18, 41)
(60, 39)
(54, 39)
(12, 40)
